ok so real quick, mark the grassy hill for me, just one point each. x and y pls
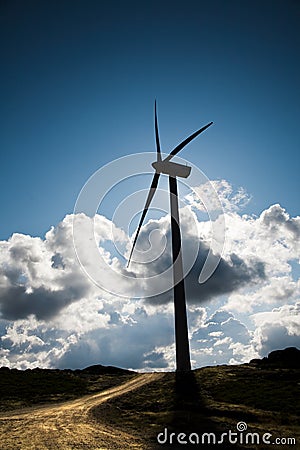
(24, 388)
(263, 394)
(211, 399)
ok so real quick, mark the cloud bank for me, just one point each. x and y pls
(52, 315)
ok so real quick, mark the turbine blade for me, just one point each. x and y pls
(157, 136)
(146, 207)
(186, 141)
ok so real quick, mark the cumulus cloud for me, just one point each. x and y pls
(222, 338)
(276, 218)
(34, 281)
(19, 302)
(133, 341)
(52, 315)
(229, 198)
(42, 276)
(274, 291)
(277, 329)
(230, 275)
(132, 344)
(232, 272)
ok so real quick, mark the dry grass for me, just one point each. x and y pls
(211, 399)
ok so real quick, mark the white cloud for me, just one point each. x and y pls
(52, 315)
(276, 219)
(277, 329)
(222, 338)
(230, 199)
(275, 291)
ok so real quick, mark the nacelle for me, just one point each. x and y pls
(172, 169)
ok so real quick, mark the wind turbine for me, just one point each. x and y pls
(174, 170)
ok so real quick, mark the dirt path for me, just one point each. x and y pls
(68, 425)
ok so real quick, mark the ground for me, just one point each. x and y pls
(69, 425)
(132, 409)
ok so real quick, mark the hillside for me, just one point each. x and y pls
(25, 388)
(263, 394)
(211, 399)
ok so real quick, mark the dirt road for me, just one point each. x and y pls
(68, 425)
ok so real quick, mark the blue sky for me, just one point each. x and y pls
(78, 85)
(78, 82)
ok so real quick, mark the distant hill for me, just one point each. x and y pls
(98, 369)
(288, 358)
(23, 388)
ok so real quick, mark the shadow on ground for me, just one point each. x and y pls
(205, 403)
(190, 425)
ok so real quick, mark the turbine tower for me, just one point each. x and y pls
(174, 170)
